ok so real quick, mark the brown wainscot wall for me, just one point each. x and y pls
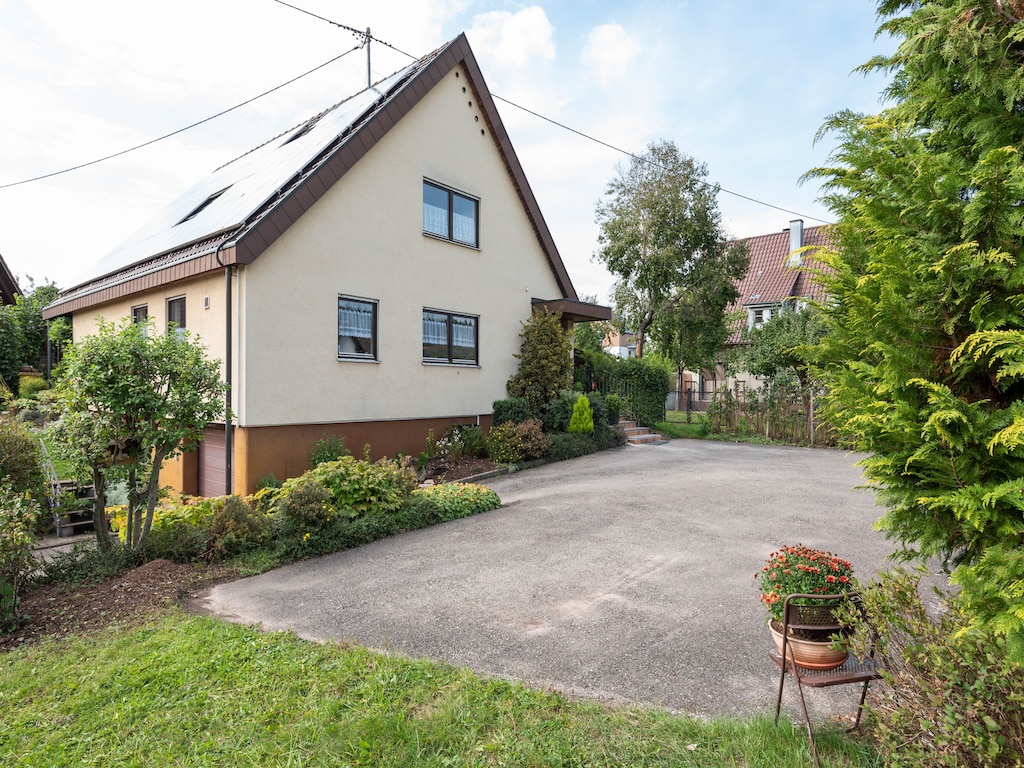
(283, 451)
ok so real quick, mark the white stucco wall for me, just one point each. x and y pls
(205, 322)
(364, 238)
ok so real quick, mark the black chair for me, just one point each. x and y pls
(815, 614)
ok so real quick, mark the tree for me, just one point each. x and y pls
(661, 237)
(924, 362)
(32, 326)
(10, 349)
(545, 361)
(128, 399)
(783, 345)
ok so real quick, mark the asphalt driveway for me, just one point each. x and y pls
(625, 575)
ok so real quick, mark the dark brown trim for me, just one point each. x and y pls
(8, 285)
(576, 311)
(321, 173)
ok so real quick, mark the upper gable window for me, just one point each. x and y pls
(450, 215)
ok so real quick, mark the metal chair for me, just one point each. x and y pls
(815, 613)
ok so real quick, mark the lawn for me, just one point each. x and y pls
(185, 690)
(676, 426)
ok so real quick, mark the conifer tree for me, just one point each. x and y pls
(925, 360)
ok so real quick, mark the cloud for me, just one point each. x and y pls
(608, 51)
(517, 40)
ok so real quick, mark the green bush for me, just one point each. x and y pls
(455, 500)
(951, 697)
(474, 441)
(598, 410)
(361, 487)
(514, 409)
(582, 421)
(510, 443)
(18, 515)
(31, 386)
(558, 412)
(235, 528)
(613, 406)
(327, 448)
(305, 505)
(545, 360)
(564, 446)
(20, 459)
(87, 564)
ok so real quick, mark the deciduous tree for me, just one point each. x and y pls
(129, 399)
(661, 237)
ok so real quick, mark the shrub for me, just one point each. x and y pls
(598, 410)
(87, 564)
(235, 528)
(454, 500)
(568, 446)
(31, 386)
(558, 412)
(545, 360)
(514, 443)
(613, 406)
(18, 514)
(20, 459)
(268, 481)
(361, 487)
(474, 442)
(582, 421)
(305, 505)
(514, 409)
(327, 448)
(950, 697)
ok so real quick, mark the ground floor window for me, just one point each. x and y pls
(176, 315)
(450, 338)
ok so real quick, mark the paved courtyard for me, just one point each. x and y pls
(623, 576)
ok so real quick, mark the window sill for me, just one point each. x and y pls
(443, 239)
(342, 359)
(443, 364)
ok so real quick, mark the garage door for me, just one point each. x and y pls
(211, 463)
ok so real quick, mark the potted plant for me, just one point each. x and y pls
(799, 570)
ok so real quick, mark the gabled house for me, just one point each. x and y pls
(365, 274)
(773, 284)
(620, 344)
(8, 284)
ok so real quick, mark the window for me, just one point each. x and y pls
(203, 205)
(140, 314)
(357, 329)
(759, 316)
(450, 214)
(176, 315)
(450, 338)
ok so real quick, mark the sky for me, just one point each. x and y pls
(741, 85)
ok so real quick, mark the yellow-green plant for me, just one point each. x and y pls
(582, 421)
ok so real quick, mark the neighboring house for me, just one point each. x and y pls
(620, 343)
(773, 284)
(8, 284)
(365, 274)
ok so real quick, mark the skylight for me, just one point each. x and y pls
(303, 130)
(203, 205)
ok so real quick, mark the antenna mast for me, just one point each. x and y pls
(369, 79)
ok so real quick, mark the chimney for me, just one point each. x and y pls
(796, 240)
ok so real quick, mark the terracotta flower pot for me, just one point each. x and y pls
(811, 654)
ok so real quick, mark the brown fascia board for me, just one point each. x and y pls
(330, 170)
(572, 309)
(183, 270)
(8, 285)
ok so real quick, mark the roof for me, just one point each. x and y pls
(238, 211)
(771, 279)
(8, 284)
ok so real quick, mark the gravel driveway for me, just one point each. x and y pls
(625, 575)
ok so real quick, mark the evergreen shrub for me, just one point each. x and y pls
(514, 409)
(582, 421)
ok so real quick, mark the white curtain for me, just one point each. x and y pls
(355, 320)
(435, 328)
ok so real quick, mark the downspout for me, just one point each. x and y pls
(228, 428)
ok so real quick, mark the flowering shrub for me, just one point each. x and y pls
(454, 500)
(801, 570)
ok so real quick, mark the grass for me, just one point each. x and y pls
(675, 425)
(193, 691)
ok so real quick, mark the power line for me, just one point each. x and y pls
(648, 161)
(180, 130)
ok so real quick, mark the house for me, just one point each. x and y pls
(8, 284)
(620, 344)
(773, 284)
(365, 274)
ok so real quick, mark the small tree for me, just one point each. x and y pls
(545, 360)
(10, 348)
(130, 398)
(582, 420)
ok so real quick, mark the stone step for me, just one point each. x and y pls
(646, 438)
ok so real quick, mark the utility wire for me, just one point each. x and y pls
(180, 130)
(648, 161)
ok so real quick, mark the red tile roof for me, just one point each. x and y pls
(770, 278)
